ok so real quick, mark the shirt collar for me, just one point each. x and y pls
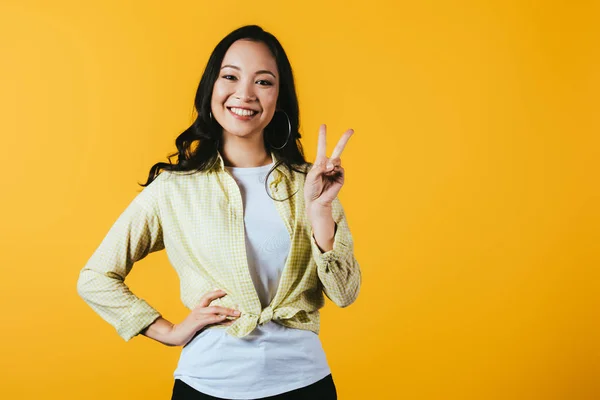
(220, 165)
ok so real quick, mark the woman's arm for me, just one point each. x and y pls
(331, 241)
(333, 251)
(136, 233)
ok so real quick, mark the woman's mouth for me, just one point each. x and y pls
(242, 113)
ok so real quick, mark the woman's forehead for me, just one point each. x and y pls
(250, 55)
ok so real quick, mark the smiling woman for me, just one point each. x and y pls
(248, 71)
(213, 211)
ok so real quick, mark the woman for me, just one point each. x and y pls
(255, 233)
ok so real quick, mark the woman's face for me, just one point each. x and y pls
(245, 93)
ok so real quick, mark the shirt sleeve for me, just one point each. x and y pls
(136, 233)
(337, 268)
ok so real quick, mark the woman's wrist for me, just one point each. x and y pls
(160, 330)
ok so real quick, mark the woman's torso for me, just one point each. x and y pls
(273, 358)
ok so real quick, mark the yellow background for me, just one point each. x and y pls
(472, 186)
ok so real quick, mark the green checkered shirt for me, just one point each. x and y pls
(199, 220)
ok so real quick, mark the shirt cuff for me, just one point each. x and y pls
(137, 318)
(342, 246)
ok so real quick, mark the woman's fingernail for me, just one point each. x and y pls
(329, 165)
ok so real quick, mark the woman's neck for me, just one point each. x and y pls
(245, 152)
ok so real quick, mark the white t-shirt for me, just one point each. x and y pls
(272, 359)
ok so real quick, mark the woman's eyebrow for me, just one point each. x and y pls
(262, 71)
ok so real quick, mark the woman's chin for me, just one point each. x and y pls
(241, 133)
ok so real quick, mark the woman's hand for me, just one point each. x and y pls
(326, 177)
(201, 316)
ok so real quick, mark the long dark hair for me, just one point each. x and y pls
(198, 145)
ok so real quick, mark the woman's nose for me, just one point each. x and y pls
(245, 91)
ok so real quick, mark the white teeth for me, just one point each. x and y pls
(241, 112)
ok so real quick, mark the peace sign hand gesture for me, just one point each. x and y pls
(326, 177)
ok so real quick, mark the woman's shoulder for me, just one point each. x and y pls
(167, 181)
(168, 176)
(168, 186)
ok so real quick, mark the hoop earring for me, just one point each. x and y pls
(210, 115)
(288, 136)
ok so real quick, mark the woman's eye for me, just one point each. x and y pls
(261, 82)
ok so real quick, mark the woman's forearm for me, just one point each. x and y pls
(333, 252)
(161, 331)
(323, 226)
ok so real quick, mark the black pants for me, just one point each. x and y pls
(320, 390)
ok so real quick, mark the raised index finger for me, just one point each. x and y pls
(341, 144)
(322, 144)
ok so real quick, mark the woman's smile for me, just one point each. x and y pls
(242, 114)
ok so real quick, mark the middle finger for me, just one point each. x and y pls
(341, 144)
(222, 310)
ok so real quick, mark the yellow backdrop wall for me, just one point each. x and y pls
(472, 186)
